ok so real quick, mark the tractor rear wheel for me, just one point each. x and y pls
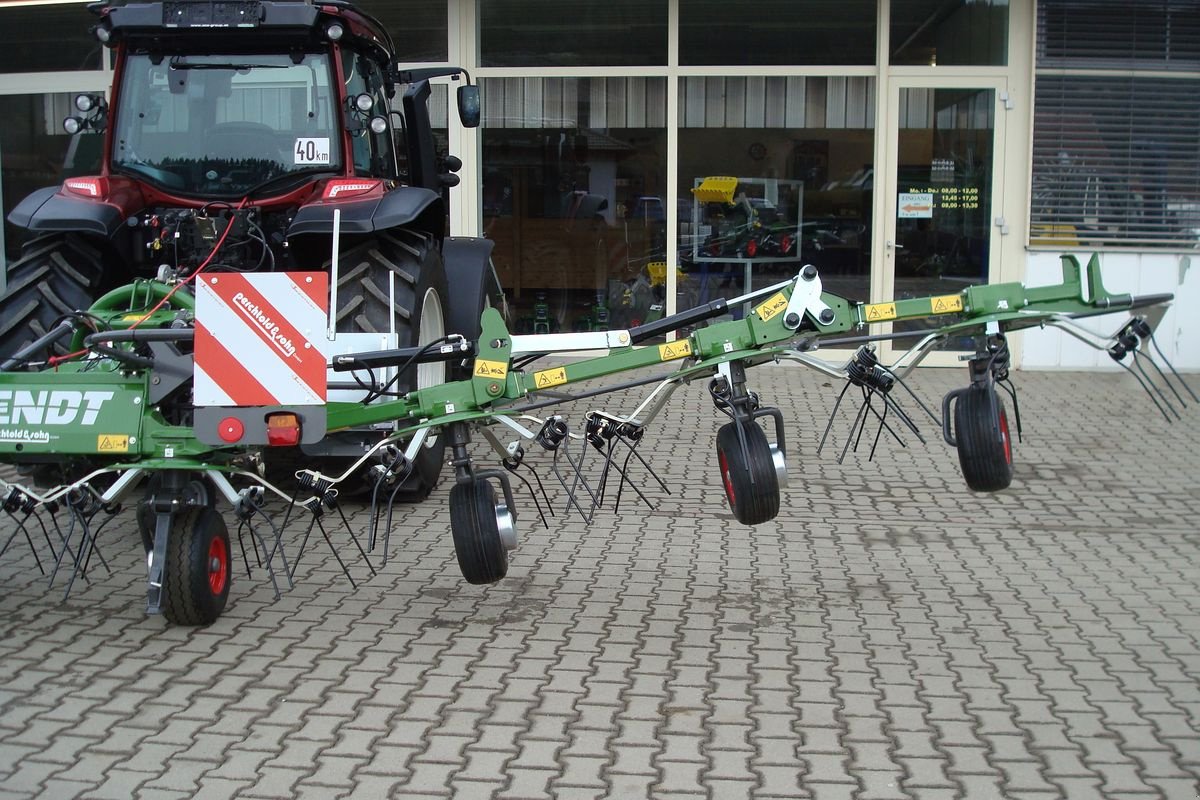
(55, 275)
(404, 266)
(983, 440)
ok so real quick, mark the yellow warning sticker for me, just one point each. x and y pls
(112, 443)
(879, 312)
(549, 377)
(946, 304)
(673, 350)
(772, 308)
(490, 369)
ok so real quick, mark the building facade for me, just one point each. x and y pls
(904, 147)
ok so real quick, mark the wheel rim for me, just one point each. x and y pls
(506, 527)
(432, 328)
(726, 477)
(1005, 441)
(218, 565)
(780, 463)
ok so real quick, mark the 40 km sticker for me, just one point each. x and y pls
(773, 307)
(548, 378)
(311, 151)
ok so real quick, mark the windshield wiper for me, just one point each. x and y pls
(281, 180)
(177, 64)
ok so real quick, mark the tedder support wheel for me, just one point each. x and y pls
(199, 571)
(55, 275)
(750, 477)
(476, 522)
(983, 441)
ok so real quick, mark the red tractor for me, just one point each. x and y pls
(258, 135)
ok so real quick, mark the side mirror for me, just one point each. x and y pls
(468, 105)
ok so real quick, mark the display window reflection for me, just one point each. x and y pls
(796, 158)
(574, 176)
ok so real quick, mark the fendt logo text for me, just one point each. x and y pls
(57, 407)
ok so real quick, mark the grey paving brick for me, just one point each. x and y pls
(888, 635)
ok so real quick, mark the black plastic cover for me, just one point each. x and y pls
(47, 210)
(395, 208)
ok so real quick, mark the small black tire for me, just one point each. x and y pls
(478, 545)
(199, 567)
(982, 438)
(750, 479)
(55, 275)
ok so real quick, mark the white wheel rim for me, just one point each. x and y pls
(433, 327)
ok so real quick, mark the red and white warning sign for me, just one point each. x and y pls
(257, 339)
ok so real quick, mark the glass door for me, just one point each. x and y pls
(945, 145)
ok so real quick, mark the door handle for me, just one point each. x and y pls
(890, 243)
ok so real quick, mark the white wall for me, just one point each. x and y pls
(1135, 273)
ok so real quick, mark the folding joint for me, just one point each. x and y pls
(806, 299)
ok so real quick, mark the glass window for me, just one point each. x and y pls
(418, 27)
(945, 150)
(1114, 155)
(48, 38)
(35, 152)
(797, 154)
(574, 188)
(536, 33)
(955, 33)
(1154, 34)
(370, 152)
(770, 32)
(217, 126)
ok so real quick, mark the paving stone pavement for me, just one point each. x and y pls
(889, 635)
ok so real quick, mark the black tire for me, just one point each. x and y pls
(750, 480)
(199, 567)
(477, 543)
(55, 275)
(363, 307)
(983, 441)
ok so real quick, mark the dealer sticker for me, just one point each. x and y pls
(311, 151)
